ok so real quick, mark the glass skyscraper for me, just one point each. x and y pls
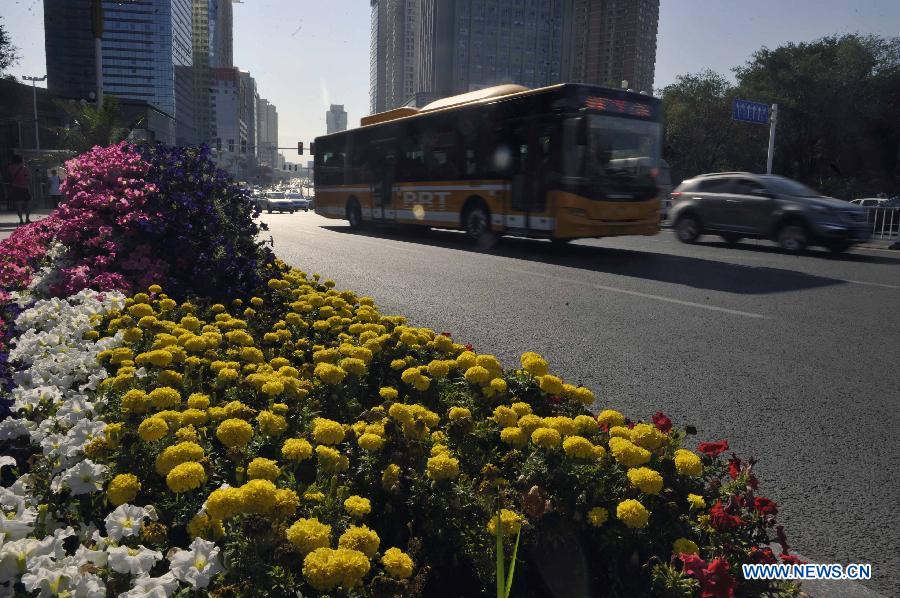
(147, 55)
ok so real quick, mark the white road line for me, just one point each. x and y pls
(873, 284)
(601, 287)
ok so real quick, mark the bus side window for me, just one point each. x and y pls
(411, 166)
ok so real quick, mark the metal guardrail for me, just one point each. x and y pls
(884, 222)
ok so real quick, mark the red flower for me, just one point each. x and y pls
(662, 422)
(734, 466)
(721, 520)
(762, 555)
(717, 583)
(791, 559)
(447, 334)
(693, 565)
(469, 347)
(713, 449)
(765, 506)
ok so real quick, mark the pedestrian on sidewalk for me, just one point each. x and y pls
(18, 179)
(53, 190)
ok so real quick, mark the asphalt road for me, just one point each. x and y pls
(793, 359)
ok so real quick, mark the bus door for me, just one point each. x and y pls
(533, 168)
(384, 170)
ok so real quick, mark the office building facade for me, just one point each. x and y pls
(393, 50)
(267, 133)
(335, 119)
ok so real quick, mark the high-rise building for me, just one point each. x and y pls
(267, 133)
(221, 33)
(336, 119)
(235, 121)
(147, 55)
(613, 41)
(422, 50)
(202, 82)
(249, 100)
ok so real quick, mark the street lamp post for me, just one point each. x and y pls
(34, 80)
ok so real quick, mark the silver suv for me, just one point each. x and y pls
(737, 205)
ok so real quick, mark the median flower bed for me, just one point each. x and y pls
(292, 438)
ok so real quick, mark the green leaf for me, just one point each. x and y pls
(501, 588)
(512, 565)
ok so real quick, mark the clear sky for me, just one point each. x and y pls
(307, 54)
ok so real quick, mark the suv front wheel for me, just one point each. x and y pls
(687, 228)
(792, 237)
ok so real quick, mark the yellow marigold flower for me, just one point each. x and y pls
(360, 538)
(401, 412)
(551, 385)
(688, 463)
(172, 456)
(534, 364)
(326, 431)
(578, 447)
(204, 526)
(264, 469)
(597, 516)
(599, 452)
(586, 424)
(398, 364)
(329, 374)
(529, 423)
(185, 476)
(371, 442)
(272, 387)
(647, 436)
(505, 416)
(357, 506)
(148, 322)
(152, 429)
(224, 503)
(646, 480)
(308, 534)
(627, 453)
(194, 417)
(296, 449)
(165, 397)
(388, 393)
(279, 409)
(160, 358)
(186, 434)
(564, 425)
(585, 395)
(234, 433)
(498, 385)
(313, 496)
(139, 310)
(286, 502)
(123, 488)
(172, 418)
(217, 413)
(521, 408)
(331, 460)
(239, 337)
(228, 375)
(271, 424)
(632, 513)
(354, 366)
(610, 418)
(546, 438)
(477, 375)
(457, 413)
(620, 432)
(258, 496)
(515, 437)
(510, 523)
(421, 383)
(170, 378)
(390, 476)
(252, 355)
(133, 335)
(397, 563)
(198, 401)
(696, 501)
(320, 571)
(439, 368)
(685, 546)
(256, 301)
(443, 467)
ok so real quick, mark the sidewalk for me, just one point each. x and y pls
(9, 221)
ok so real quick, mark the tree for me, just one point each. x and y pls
(9, 54)
(90, 126)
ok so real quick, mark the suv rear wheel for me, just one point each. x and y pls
(792, 237)
(687, 228)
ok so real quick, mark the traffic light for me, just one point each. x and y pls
(300, 148)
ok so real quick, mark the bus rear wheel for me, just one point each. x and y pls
(478, 226)
(354, 214)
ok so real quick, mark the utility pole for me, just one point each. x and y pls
(97, 30)
(34, 80)
(773, 120)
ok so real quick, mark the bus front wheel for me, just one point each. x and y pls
(478, 226)
(354, 214)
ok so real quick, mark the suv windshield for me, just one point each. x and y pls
(783, 186)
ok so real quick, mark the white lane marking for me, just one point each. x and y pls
(601, 287)
(872, 284)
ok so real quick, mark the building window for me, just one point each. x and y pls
(231, 145)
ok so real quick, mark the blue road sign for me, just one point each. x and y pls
(751, 112)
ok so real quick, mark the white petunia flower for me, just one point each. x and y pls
(126, 520)
(153, 587)
(85, 477)
(50, 577)
(197, 565)
(136, 561)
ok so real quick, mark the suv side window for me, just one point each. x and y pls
(715, 186)
(746, 187)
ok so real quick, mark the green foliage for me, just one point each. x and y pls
(9, 54)
(91, 126)
(837, 126)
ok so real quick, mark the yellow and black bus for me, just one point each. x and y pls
(561, 162)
